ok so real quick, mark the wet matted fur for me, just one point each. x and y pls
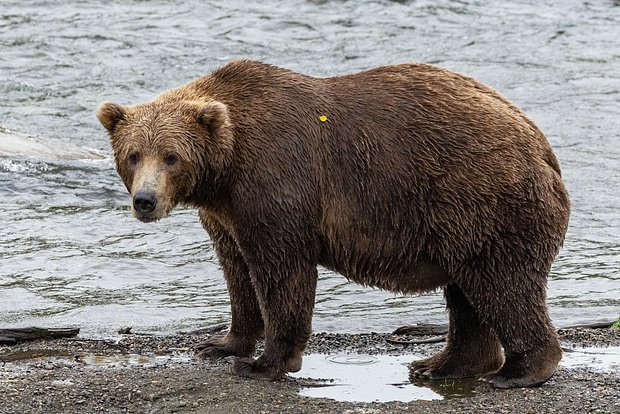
(408, 178)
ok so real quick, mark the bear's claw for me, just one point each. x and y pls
(250, 368)
(432, 374)
(208, 350)
(218, 348)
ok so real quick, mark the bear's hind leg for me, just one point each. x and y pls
(247, 324)
(516, 309)
(472, 347)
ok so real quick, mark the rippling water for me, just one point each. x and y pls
(70, 254)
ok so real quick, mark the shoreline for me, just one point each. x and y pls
(158, 374)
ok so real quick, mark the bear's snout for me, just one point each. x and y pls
(144, 202)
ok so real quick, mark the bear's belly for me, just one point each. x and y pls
(386, 264)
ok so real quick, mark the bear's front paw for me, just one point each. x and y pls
(255, 369)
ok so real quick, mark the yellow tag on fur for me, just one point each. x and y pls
(323, 118)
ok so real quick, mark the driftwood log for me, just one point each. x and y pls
(12, 336)
(442, 330)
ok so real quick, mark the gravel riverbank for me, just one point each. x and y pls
(157, 374)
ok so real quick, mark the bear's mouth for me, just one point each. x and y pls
(146, 218)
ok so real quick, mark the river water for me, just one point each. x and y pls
(70, 254)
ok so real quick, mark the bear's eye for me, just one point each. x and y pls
(171, 159)
(133, 158)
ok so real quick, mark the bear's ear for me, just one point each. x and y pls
(109, 114)
(214, 117)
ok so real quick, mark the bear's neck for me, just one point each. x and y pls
(212, 191)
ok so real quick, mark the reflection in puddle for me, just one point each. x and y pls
(120, 360)
(87, 358)
(599, 359)
(368, 378)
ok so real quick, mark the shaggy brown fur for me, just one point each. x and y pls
(408, 178)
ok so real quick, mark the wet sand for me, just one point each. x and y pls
(157, 374)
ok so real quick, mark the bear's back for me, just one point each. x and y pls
(399, 158)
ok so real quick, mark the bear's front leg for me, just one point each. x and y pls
(247, 324)
(286, 291)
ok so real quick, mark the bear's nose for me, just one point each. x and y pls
(144, 202)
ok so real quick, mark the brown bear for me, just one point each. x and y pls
(408, 178)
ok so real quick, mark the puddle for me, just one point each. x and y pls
(599, 359)
(123, 360)
(382, 378)
(373, 378)
(34, 355)
(86, 358)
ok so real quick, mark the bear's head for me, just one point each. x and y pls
(165, 149)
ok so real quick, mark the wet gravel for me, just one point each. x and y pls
(157, 374)
(590, 337)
